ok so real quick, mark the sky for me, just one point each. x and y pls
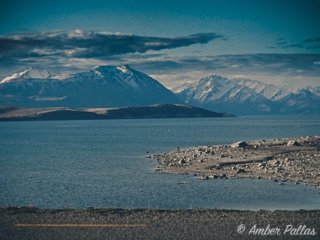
(274, 41)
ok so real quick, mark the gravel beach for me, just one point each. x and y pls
(33, 223)
(290, 159)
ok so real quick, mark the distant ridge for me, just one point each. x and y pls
(249, 97)
(143, 112)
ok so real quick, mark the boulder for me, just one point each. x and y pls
(239, 144)
(182, 161)
(204, 178)
(240, 170)
(293, 143)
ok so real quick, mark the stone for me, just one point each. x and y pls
(240, 170)
(293, 143)
(182, 161)
(241, 144)
(261, 164)
(215, 167)
(204, 178)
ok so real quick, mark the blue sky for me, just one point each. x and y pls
(177, 41)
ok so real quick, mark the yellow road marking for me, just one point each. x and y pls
(78, 225)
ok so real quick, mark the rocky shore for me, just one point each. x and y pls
(294, 159)
(108, 223)
(290, 159)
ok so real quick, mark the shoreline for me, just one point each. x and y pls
(290, 159)
(281, 160)
(109, 223)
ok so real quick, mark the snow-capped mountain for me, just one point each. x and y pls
(102, 86)
(248, 97)
(267, 90)
(28, 73)
(303, 102)
(314, 90)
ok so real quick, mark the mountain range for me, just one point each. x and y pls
(249, 97)
(122, 86)
(102, 86)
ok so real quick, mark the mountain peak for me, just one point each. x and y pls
(214, 80)
(124, 68)
(28, 73)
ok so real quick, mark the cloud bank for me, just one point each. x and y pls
(278, 69)
(89, 44)
(61, 52)
(242, 63)
(308, 44)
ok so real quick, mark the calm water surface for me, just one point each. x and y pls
(101, 163)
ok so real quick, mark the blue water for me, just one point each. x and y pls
(101, 163)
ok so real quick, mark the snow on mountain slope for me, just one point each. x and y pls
(222, 94)
(102, 86)
(124, 75)
(209, 88)
(28, 73)
(245, 96)
(314, 90)
(301, 102)
(214, 88)
(267, 90)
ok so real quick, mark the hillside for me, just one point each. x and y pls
(144, 112)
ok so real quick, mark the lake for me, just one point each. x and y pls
(102, 163)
